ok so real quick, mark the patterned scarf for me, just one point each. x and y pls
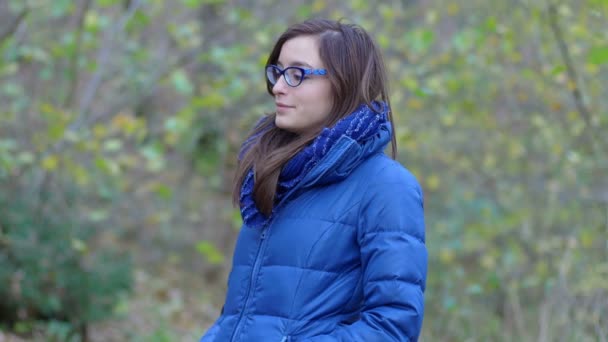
(359, 126)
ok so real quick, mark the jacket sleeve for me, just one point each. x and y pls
(394, 262)
(209, 336)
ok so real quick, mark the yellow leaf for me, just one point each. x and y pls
(488, 261)
(47, 108)
(100, 131)
(571, 85)
(409, 82)
(81, 176)
(592, 69)
(516, 149)
(542, 268)
(453, 8)
(573, 116)
(384, 41)
(170, 138)
(448, 120)
(411, 144)
(556, 106)
(388, 13)
(213, 100)
(516, 57)
(586, 239)
(318, 5)
(557, 149)
(414, 103)
(121, 119)
(56, 130)
(446, 255)
(489, 161)
(50, 163)
(433, 182)
(431, 17)
(91, 20)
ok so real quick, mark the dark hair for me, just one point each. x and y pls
(357, 75)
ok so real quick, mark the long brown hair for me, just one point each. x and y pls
(357, 75)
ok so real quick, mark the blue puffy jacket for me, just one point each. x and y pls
(343, 259)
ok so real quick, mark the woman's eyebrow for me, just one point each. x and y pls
(296, 63)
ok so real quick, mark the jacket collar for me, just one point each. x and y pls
(341, 160)
(345, 156)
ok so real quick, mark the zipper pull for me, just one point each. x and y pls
(264, 229)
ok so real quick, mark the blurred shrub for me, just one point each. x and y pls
(51, 269)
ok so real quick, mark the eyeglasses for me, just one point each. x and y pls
(293, 75)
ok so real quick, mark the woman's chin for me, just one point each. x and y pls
(284, 124)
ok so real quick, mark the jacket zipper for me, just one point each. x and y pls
(254, 271)
(256, 266)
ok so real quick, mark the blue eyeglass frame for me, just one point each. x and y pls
(305, 72)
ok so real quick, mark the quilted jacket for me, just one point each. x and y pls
(343, 259)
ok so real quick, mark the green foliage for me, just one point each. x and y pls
(598, 55)
(52, 266)
(210, 252)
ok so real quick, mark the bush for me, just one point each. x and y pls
(52, 269)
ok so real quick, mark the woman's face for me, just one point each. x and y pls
(305, 107)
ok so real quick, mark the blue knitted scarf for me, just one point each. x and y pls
(359, 126)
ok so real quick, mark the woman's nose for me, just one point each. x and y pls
(280, 87)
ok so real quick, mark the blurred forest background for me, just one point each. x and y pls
(119, 126)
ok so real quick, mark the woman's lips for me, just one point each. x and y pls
(282, 107)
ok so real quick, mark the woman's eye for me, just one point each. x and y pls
(295, 76)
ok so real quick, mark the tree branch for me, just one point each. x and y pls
(12, 27)
(571, 71)
(125, 100)
(102, 59)
(37, 184)
(130, 100)
(73, 67)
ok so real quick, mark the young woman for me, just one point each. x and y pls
(332, 247)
